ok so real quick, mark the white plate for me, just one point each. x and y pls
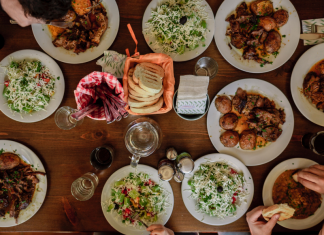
(288, 46)
(191, 203)
(272, 150)
(302, 67)
(44, 39)
(296, 224)
(39, 196)
(188, 55)
(59, 86)
(106, 194)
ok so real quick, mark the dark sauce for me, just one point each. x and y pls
(101, 158)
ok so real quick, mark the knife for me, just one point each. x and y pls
(54, 23)
(311, 36)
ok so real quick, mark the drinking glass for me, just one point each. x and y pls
(64, 120)
(102, 157)
(206, 66)
(84, 187)
(314, 142)
(142, 137)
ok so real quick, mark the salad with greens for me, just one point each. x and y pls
(29, 87)
(137, 193)
(177, 26)
(218, 189)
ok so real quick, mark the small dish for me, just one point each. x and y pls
(186, 116)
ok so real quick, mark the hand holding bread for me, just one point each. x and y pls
(284, 210)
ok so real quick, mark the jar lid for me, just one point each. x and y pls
(186, 165)
(178, 177)
(166, 172)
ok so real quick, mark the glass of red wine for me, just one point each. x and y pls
(314, 142)
(102, 157)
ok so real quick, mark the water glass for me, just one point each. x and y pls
(64, 120)
(314, 142)
(206, 66)
(84, 187)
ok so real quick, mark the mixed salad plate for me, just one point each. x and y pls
(32, 86)
(219, 190)
(182, 29)
(129, 192)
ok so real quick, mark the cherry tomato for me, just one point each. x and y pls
(46, 80)
(6, 83)
(234, 200)
(233, 171)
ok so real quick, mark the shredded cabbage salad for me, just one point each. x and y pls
(178, 25)
(30, 86)
(218, 189)
(137, 193)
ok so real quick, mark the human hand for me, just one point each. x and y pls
(159, 229)
(312, 178)
(260, 227)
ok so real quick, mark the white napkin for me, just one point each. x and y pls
(113, 62)
(308, 30)
(192, 94)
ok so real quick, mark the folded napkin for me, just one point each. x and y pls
(112, 62)
(308, 30)
(192, 94)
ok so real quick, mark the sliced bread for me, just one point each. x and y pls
(148, 68)
(149, 109)
(285, 211)
(134, 93)
(136, 87)
(150, 98)
(138, 104)
(149, 77)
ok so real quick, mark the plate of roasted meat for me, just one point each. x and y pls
(257, 36)
(251, 120)
(23, 183)
(307, 84)
(93, 32)
(282, 187)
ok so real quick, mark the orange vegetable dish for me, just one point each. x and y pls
(89, 25)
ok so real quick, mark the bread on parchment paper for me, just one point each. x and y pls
(285, 211)
(149, 109)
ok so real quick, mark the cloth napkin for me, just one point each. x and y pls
(308, 30)
(113, 62)
(192, 94)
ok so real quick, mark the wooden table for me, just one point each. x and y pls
(65, 154)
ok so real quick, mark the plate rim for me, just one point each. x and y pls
(107, 186)
(87, 59)
(216, 157)
(230, 150)
(268, 181)
(9, 142)
(61, 75)
(219, 47)
(212, 31)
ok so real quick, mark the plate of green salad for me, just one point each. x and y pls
(219, 191)
(32, 86)
(139, 191)
(182, 29)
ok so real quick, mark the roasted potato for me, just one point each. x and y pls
(8, 161)
(262, 7)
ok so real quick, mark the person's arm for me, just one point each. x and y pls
(259, 227)
(158, 229)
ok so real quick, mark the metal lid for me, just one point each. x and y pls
(166, 172)
(178, 177)
(186, 165)
(171, 154)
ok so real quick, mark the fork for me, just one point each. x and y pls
(314, 28)
(135, 216)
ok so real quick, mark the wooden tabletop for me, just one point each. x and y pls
(66, 154)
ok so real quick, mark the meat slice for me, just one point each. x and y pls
(59, 41)
(273, 42)
(102, 21)
(8, 161)
(251, 54)
(263, 37)
(250, 104)
(317, 97)
(3, 203)
(275, 119)
(262, 7)
(260, 102)
(238, 40)
(271, 133)
(239, 100)
(281, 17)
(248, 140)
(268, 23)
(241, 10)
(263, 116)
(311, 84)
(269, 103)
(320, 68)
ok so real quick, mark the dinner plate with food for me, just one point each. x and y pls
(301, 207)
(181, 29)
(257, 36)
(32, 86)
(23, 183)
(307, 84)
(133, 198)
(219, 191)
(251, 120)
(93, 31)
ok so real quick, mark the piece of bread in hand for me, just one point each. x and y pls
(138, 104)
(149, 77)
(285, 211)
(136, 87)
(295, 177)
(149, 109)
(144, 99)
